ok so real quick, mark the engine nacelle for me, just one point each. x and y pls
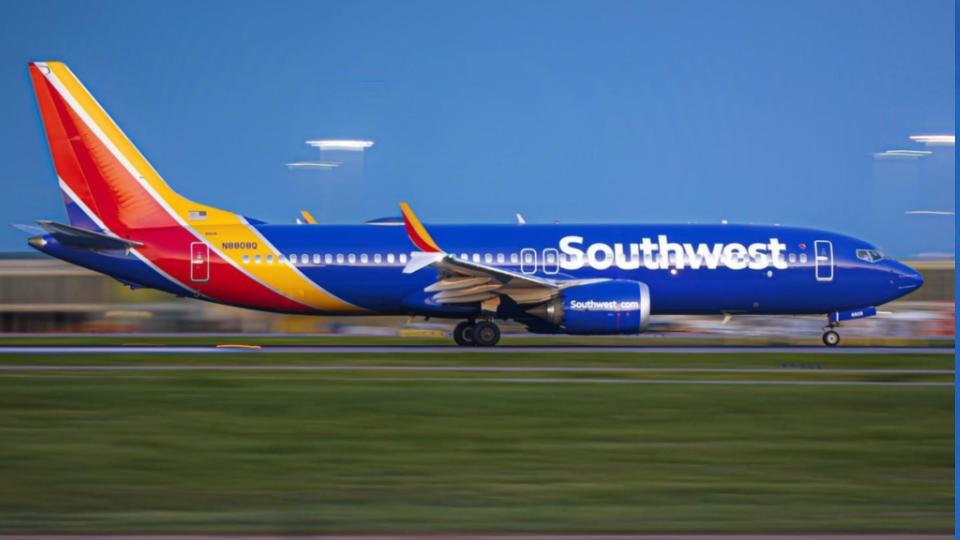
(608, 307)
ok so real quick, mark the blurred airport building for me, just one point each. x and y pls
(41, 294)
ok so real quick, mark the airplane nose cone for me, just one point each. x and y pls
(907, 278)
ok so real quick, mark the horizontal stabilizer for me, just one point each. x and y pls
(83, 238)
(29, 229)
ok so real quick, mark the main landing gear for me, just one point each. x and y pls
(479, 334)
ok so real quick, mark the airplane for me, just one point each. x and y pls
(125, 221)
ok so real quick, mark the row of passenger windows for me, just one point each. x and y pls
(550, 257)
(328, 258)
(389, 258)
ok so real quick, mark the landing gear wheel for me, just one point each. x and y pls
(486, 334)
(831, 338)
(463, 334)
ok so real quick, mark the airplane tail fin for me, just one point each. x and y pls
(106, 182)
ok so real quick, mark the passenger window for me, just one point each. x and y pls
(390, 258)
(339, 258)
(316, 258)
(270, 259)
(256, 259)
(500, 258)
(246, 259)
(792, 257)
(304, 259)
(403, 258)
(514, 258)
(328, 258)
(363, 258)
(803, 258)
(377, 258)
(476, 257)
(351, 258)
(488, 258)
(464, 256)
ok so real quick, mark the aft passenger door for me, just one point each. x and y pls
(199, 262)
(823, 260)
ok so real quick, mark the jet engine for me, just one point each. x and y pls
(607, 307)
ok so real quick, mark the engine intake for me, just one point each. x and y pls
(608, 307)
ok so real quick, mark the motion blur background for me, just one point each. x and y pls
(815, 113)
(833, 114)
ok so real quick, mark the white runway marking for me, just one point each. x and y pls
(512, 380)
(43, 349)
(530, 536)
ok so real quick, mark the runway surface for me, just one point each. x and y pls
(569, 381)
(467, 369)
(318, 350)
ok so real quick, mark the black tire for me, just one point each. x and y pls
(486, 334)
(831, 338)
(463, 334)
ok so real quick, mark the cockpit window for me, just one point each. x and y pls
(869, 255)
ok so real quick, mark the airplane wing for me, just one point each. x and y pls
(463, 281)
(84, 238)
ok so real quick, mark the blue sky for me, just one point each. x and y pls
(639, 111)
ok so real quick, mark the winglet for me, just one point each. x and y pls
(308, 217)
(417, 233)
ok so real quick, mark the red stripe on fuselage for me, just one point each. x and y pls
(130, 211)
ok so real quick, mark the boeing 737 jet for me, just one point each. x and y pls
(126, 221)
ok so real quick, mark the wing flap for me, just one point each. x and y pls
(469, 291)
(455, 283)
(467, 299)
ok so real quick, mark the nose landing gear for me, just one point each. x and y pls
(479, 334)
(830, 336)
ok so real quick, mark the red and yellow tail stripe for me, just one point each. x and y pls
(416, 231)
(112, 179)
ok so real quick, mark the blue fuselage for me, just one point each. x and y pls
(805, 283)
(689, 269)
